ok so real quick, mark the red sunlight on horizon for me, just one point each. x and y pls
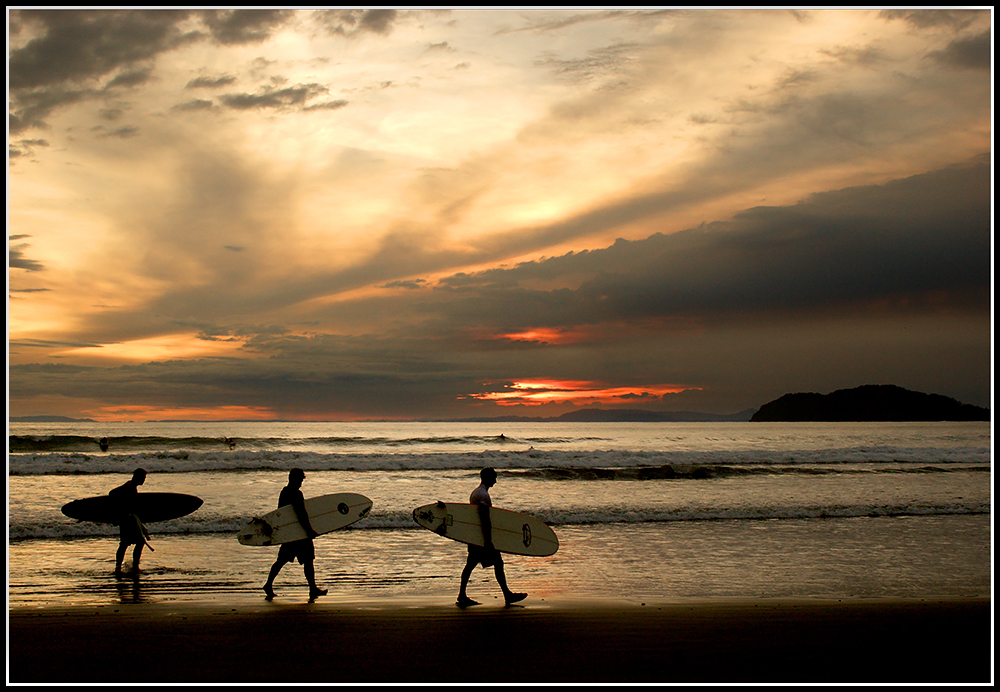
(536, 392)
(144, 414)
(546, 335)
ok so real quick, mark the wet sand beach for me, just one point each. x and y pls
(424, 640)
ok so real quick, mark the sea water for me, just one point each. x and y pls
(666, 511)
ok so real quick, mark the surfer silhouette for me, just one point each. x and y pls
(131, 529)
(485, 555)
(302, 550)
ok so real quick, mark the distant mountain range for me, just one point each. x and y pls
(868, 403)
(48, 419)
(597, 415)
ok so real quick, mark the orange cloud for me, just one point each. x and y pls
(536, 392)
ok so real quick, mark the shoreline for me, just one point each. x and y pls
(542, 640)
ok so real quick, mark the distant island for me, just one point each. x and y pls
(868, 403)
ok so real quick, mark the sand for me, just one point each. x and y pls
(542, 641)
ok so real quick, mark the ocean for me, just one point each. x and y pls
(643, 511)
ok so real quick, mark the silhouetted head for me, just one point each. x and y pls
(139, 476)
(488, 476)
(296, 476)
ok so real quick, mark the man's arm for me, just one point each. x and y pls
(299, 505)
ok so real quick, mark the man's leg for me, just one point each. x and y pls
(508, 595)
(470, 565)
(120, 557)
(314, 591)
(272, 575)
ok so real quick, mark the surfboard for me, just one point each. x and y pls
(513, 532)
(150, 507)
(326, 513)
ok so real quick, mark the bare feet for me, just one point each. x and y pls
(514, 597)
(268, 593)
(465, 602)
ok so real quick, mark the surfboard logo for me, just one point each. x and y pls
(525, 535)
(343, 508)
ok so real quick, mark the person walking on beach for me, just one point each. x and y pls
(131, 529)
(303, 550)
(485, 555)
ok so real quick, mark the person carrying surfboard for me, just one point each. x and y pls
(302, 550)
(486, 554)
(130, 527)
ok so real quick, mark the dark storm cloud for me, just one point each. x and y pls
(930, 19)
(327, 105)
(35, 106)
(274, 98)
(238, 27)
(128, 80)
(210, 82)
(16, 258)
(78, 48)
(974, 52)
(82, 45)
(352, 22)
(912, 244)
(25, 147)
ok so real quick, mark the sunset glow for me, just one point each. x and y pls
(352, 214)
(539, 392)
(150, 413)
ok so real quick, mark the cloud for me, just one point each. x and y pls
(932, 19)
(117, 133)
(77, 46)
(974, 52)
(194, 105)
(354, 22)
(598, 63)
(24, 147)
(16, 258)
(68, 52)
(239, 27)
(210, 82)
(275, 98)
(915, 244)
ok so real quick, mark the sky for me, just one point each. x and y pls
(415, 214)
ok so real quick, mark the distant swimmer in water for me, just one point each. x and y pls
(230, 441)
(103, 443)
(502, 438)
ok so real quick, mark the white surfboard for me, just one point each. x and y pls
(326, 513)
(513, 532)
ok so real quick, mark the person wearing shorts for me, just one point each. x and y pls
(485, 555)
(302, 550)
